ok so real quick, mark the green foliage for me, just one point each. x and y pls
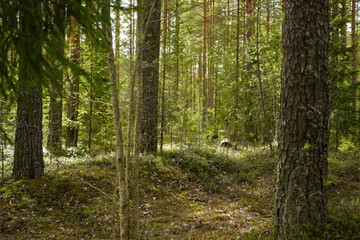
(349, 146)
(342, 90)
(10, 45)
(185, 83)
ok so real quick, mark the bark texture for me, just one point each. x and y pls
(28, 154)
(300, 204)
(150, 26)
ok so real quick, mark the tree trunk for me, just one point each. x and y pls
(177, 49)
(28, 154)
(249, 19)
(133, 153)
(162, 128)
(91, 104)
(268, 14)
(120, 159)
(73, 86)
(132, 84)
(249, 24)
(117, 41)
(204, 68)
(89, 42)
(354, 58)
(211, 61)
(267, 139)
(150, 26)
(300, 204)
(56, 85)
(235, 133)
(343, 17)
(250, 123)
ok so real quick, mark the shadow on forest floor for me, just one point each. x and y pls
(194, 194)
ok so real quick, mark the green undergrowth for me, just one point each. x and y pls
(201, 194)
(211, 171)
(60, 205)
(344, 196)
(191, 194)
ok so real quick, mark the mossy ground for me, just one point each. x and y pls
(194, 194)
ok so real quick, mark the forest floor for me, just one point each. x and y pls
(194, 194)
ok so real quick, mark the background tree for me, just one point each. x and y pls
(343, 75)
(164, 58)
(354, 63)
(54, 143)
(72, 130)
(300, 206)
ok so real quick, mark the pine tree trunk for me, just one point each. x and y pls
(250, 125)
(204, 68)
(89, 42)
(150, 26)
(164, 38)
(55, 106)
(91, 104)
(177, 49)
(354, 58)
(300, 206)
(132, 84)
(249, 24)
(210, 62)
(266, 129)
(249, 19)
(117, 41)
(268, 13)
(73, 86)
(28, 154)
(344, 27)
(235, 134)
